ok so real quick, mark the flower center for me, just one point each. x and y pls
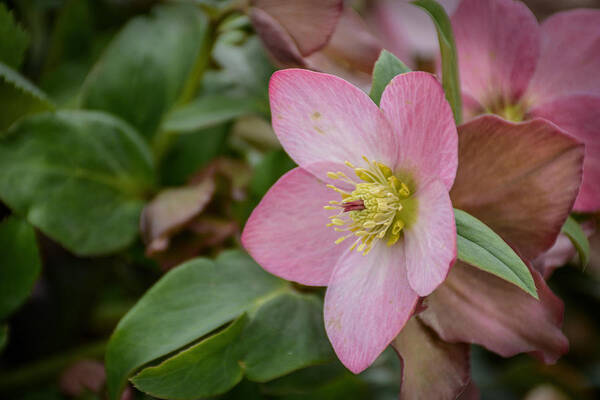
(373, 210)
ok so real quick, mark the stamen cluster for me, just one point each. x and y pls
(371, 210)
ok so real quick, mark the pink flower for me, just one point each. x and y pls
(513, 67)
(384, 174)
(407, 30)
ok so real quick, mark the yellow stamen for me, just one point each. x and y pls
(379, 215)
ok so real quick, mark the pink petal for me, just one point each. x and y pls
(286, 233)
(473, 306)
(430, 243)
(570, 56)
(277, 41)
(415, 105)
(367, 303)
(321, 118)
(309, 22)
(351, 53)
(406, 30)
(498, 47)
(579, 116)
(431, 368)
(519, 179)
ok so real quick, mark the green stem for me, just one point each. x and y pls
(48, 368)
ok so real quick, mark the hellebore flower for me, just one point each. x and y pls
(367, 212)
(511, 66)
(407, 30)
(521, 179)
(340, 42)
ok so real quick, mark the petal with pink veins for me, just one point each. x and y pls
(286, 233)
(431, 368)
(579, 116)
(367, 303)
(321, 118)
(310, 23)
(430, 242)
(473, 306)
(498, 45)
(419, 114)
(519, 179)
(570, 56)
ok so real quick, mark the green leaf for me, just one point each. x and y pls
(188, 153)
(14, 39)
(385, 69)
(189, 302)
(209, 368)
(579, 239)
(450, 77)
(80, 177)
(19, 263)
(481, 247)
(143, 72)
(286, 333)
(18, 97)
(246, 68)
(206, 111)
(273, 165)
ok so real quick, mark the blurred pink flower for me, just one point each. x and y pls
(392, 238)
(513, 67)
(345, 46)
(406, 30)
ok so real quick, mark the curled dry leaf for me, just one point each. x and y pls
(171, 210)
(86, 376)
(174, 225)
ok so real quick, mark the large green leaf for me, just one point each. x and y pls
(143, 72)
(80, 177)
(206, 111)
(14, 40)
(386, 68)
(573, 230)
(18, 97)
(481, 247)
(286, 333)
(19, 263)
(450, 76)
(187, 303)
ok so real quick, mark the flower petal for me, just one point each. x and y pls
(579, 116)
(430, 243)
(519, 179)
(275, 38)
(406, 30)
(473, 306)
(431, 368)
(286, 233)
(321, 118)
(309, 22)
(417, 109)
(351, 53)
(498, 47)
(367, 303)
(570, 56)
